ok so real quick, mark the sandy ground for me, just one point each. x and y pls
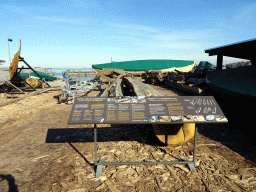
(41, 152)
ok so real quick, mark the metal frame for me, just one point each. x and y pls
(101, 162)
(80, 87)
(29, 67)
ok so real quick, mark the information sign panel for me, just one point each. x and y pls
(146, 110)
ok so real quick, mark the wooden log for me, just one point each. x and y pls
(119, 88)
(140, 88)
(106, 93)
(152, 76)
(186, 88)
(107, 90)
(108, 72)
(106, 79)
(173, 76)
(196, 80)
(161, 77)
(136, 74)
(25, 96)
(116, 90)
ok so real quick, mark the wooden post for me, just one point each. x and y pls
(219, 61)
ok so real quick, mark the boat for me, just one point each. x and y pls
(141, 66)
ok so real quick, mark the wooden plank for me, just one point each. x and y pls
(106, 91)
(13, 86)
(187, 88)
(25, 96)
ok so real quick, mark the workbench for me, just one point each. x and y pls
(145, 110)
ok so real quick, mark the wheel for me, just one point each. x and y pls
(60, 99)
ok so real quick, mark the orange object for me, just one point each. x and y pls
(185, 133)
(15, 62)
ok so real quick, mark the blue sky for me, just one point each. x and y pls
(78, 33)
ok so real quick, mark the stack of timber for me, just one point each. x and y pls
(192, 81)
(238, 64)
(185, 83)
(110, 75)
(155, 76)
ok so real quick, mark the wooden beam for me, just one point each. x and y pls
(212, 54)
(219, 61)
(14, 86)
(25, 96)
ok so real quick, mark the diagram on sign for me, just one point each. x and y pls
(206, 103)
(75, 118)
(98, 118)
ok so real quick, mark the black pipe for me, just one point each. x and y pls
(22, 59)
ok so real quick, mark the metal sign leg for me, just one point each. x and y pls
(95, 145)
(192, 165)
(98, 167)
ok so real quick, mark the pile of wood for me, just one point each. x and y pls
(192, 82)
(110, 75)
(185, 83)
(238, 64)
(155, 76)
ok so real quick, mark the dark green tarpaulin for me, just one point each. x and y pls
(23, 76)
(144, 65)
(44, 75)
(204, 65)
(240, 80)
